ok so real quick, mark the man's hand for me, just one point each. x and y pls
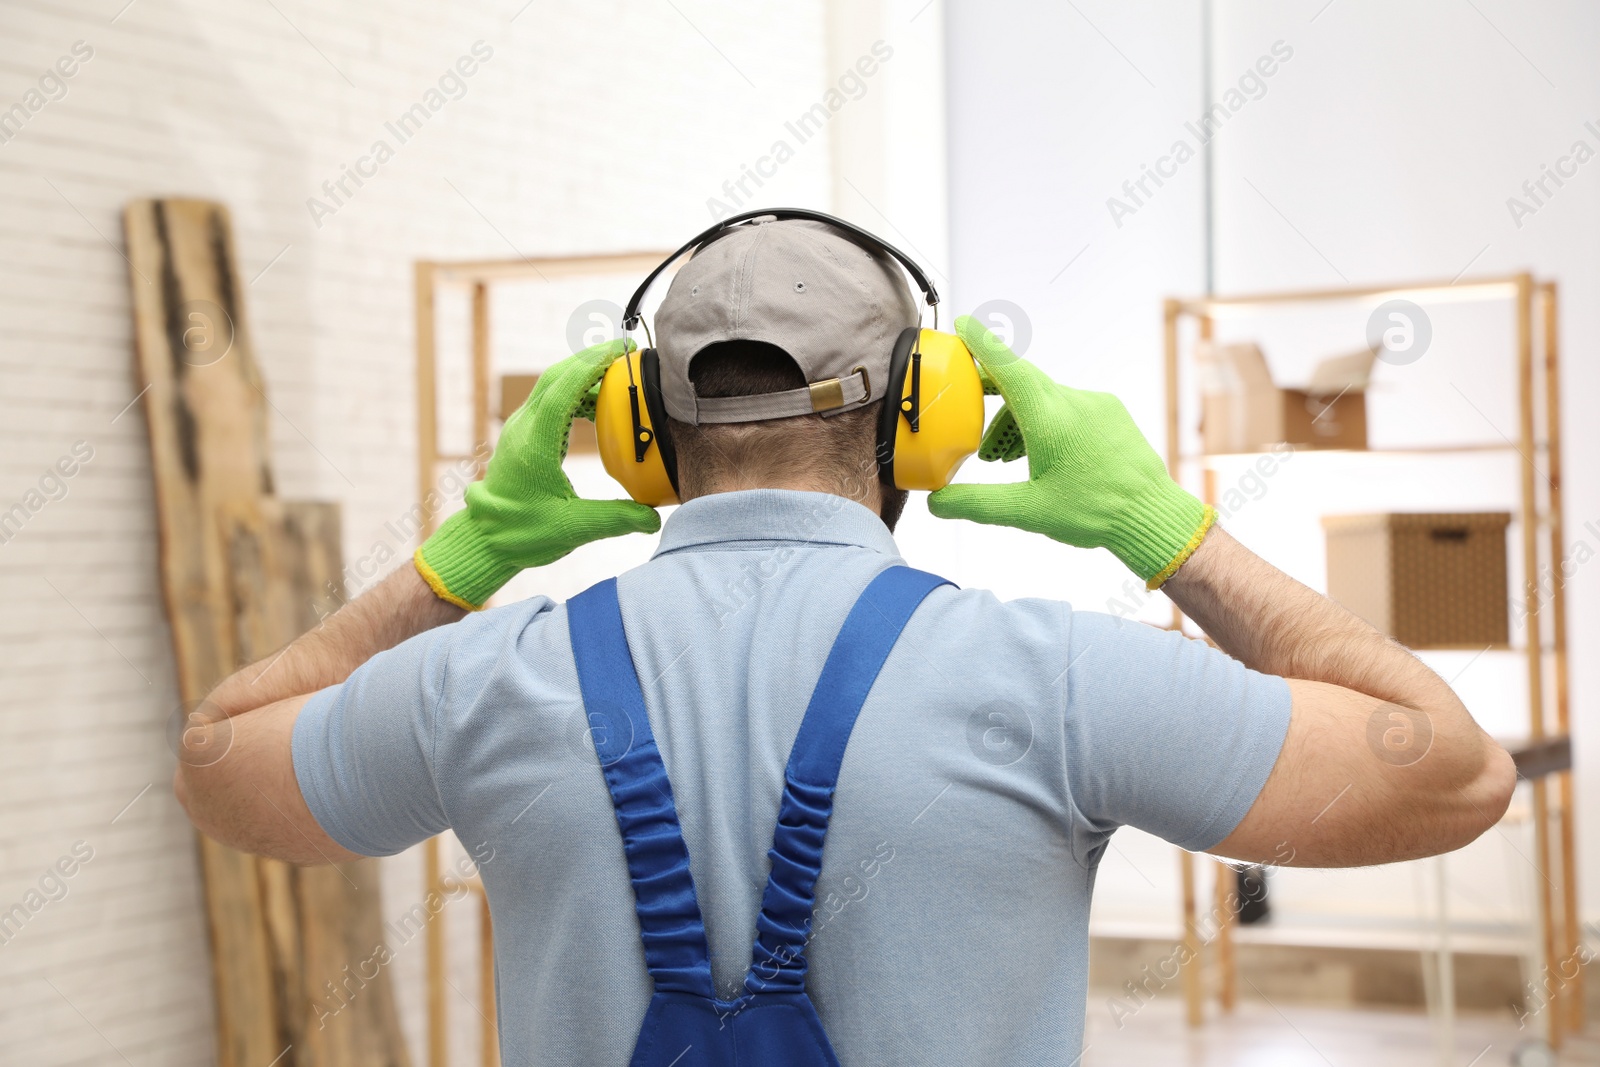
(1093, 480)
(524, 512)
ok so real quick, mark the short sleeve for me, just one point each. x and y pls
(364, 749)
(1165, 733)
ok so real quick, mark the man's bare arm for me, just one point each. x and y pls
(1382, 761)
(1428, 781)
(397, 608)
(235, 773)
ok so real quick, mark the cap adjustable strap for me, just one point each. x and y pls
(821, 397)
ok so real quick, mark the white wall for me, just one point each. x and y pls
(593, 127)
(889, 151)
(1392, 143)
(1383, 148)
(1053, 107)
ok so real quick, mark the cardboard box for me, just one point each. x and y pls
(1243, 410)
(1428, 580)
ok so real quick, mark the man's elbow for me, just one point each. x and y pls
(191, 797)
(180, 790)
(1482, 800)
(196, 777)
(1489, 794)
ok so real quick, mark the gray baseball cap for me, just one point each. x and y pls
(834, 305)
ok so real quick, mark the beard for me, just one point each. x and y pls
(894, 503)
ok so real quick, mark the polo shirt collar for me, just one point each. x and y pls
(774, 515)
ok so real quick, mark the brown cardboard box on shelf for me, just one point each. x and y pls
(1429, 580)
(1243, 410)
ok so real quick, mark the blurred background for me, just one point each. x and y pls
(1063, 171)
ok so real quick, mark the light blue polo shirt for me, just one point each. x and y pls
(1001, 746)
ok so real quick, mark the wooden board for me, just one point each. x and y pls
(241, 573)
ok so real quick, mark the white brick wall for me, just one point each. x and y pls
(594, 127)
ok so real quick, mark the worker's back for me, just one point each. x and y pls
(997, 749)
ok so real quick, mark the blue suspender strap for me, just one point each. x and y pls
(858, 654)
(658, 861)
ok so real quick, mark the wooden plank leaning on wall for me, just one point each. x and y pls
(292, 949)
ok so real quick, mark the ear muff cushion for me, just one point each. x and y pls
(650, 379)
(889, 414)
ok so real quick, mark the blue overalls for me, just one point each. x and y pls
(774, 1023)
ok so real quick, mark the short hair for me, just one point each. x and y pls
(837, 450)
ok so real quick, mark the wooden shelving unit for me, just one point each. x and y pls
(1534, 374)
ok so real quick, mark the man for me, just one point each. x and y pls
(996, 752)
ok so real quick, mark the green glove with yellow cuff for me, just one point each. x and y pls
(1093, 480)
(524, 512)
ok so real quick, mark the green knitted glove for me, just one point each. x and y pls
(523, 513)
(1093, 480)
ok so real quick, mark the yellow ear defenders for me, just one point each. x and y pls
(626, 418)
(932, 417)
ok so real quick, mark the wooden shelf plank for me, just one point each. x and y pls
(1437, 292)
